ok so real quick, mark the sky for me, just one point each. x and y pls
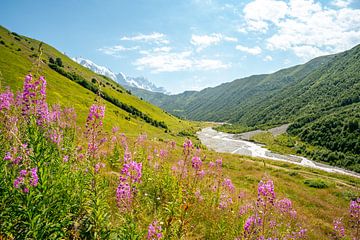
(189, 44)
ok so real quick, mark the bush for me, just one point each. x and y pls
(59, 62)
(316, 183)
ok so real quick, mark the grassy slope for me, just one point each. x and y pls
(15, 64)
(316, 207)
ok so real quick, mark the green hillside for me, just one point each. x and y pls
(317, 97)
(74, 85)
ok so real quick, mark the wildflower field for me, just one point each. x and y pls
(63, 181)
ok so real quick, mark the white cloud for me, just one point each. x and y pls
(163, 61)
(155, 37)
(204, 41)
(253, 51)
(341, 3)
(209, 64)
(305, 27)
(257, 13)
(230, 39)
(162, 49)
(268, 58)
(114, 50)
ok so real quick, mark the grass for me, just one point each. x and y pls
(14, 65)
(234, 128)
(318, 207)
(280, 144)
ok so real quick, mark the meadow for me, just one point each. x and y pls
(63, 180)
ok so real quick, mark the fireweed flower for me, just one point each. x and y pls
(115, 129)
(55, 136)
(187, 146)
(218, 163)
(8, 156)
(228, 185)
(339, 228)
(201, 173)
(98, 166)
(34, 177)
(244, 209)
(34, 99)
(284, 205)
(251, 223)
(93, 127)
(26, 179)
(124, 195)
(15, 155)
(355, 211)
(141, 139)
(266, 192)
(172, 144)
(196, 163)
(154, 231)
(225, 201)
(211, 164)
(127, 156)
(198, 195)
(130, 174)
(6, 100)
(163, 153)
(133, 171)
(123, 140)
(66, 158)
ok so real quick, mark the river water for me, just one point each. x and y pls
(231, 143)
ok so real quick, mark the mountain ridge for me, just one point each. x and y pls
(121, 78)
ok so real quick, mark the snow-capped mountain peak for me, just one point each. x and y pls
(121, 78)
(95, 68)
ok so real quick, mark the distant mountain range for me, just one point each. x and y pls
(121, 78)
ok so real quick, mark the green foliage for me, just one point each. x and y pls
(53, 205)
(336, 134)
(59, 62)
(316, 183)
(51, 60)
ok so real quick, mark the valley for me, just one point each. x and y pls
(90, 154)
(235, 144)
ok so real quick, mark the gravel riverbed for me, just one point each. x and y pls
(235, 143)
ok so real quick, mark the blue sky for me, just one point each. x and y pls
(189, 44)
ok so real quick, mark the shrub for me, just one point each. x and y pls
(316, 183)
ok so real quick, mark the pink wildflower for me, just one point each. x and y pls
(266, 192)
(196, 163)
(339, 228)
(154, 231)
(6, 99)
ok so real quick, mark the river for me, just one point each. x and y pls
(232, 143)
